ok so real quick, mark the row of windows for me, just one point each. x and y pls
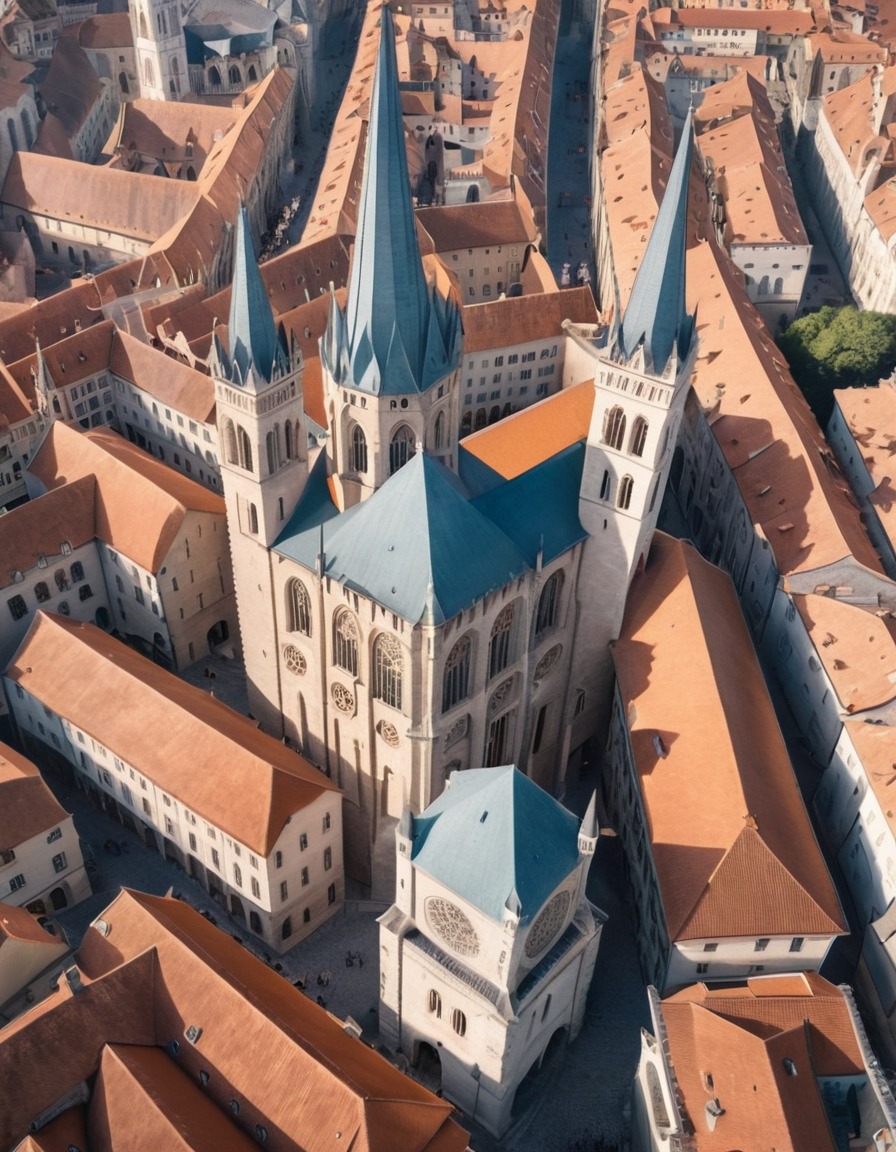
(60, 863)
(614, 432)
(458, 1019)
(18, 608)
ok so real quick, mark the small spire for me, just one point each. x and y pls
(656, 316)
(251, 332)
(589, 821)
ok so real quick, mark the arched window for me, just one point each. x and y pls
(286, 930)
(245, 449)
(234, 75)
(456, 678)
(298, 607)
(779, 285)
(481, 418)
(290, 446)
(639, 437)
(230, 449)
(606, 486)
(435, 1003)
(401, 448)
(253, 519)
(214, 78)
(499, 642)
(387, 670)
(548, 604)
(625, 492)
(41, 592)
(149, 75)
(61, 578)
(251, 75)
(439, 432)
(77, 571)
(272, 441)
(763, 286)
(466, 424)
(614, 427)
(237, 876)
(495, 414)
(345, 641)
(358, 461)
(458, 1021)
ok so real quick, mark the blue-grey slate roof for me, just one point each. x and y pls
(540, 508)
(251, 333)
(417, 546)
(657, 310)
(494, 836)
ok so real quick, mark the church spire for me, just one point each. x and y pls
(656, 315)
(255, 351)
(399, 334)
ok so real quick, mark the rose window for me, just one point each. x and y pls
(295, 661)
(452, 926)
(342, 698)
(547, 662)
(547, 924)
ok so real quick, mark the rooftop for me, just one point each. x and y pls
(27, 806)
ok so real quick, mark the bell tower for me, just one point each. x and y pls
(157, 28)
(263, 454)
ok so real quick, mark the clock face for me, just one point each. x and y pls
(547, 924)
(452, 926)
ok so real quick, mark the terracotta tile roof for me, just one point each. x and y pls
(486, 224)
(162, 128)
(161, 967)
(881, 207)
(733, 848)
(16, 403)
(142, 1089)
(213, 760)
(168, 379)
(68, 1130)
(856, 648)
(49, 320)
(13, 75)
(740, 1037)
(19, 924)
(774, 447)
(778, 23)
(141, 504)
(106, 30)
(842, 46)
(533, 435)
(40, 526)
(851, 116)
(739, 136)
(71, 87)
(659, 64)
(126, 203)
(876, 746)
(520, 319)
(27, 806)
(84, 353)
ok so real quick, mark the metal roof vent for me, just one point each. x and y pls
(193, 1033)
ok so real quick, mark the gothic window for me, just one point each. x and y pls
(245, 449)
(358, 449)
(401, 448)
(614, 427)
(606, 486)
(214, 79)
(498, 742)
(42, 592)
(548, 604)
(499, 643)
(456, 678)
(234, 75)
(387, 670)
(290, 447)
(625, 492)
(345, 642)
(251, 75)
(298, 608)
(148, 73)
(272, 441)
(230, 450)
(144, 32)
(439, 432)
(639, 437)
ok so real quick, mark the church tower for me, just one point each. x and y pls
(264, 460)
(641, 383)
(157, 28)
(391, 357)
(487, 954)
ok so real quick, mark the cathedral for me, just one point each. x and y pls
(412, 605)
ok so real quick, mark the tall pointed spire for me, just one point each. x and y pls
(254, 347)
(399, 334)
(656, 315)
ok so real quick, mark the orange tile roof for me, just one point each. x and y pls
(481, 225)
(27, 806)
(733, 848)
(520, 319)
(106, 30)
(856, 648)
(161, 967)
(40, 526)
(19, 924)
(876, 746)
(83, 353)
(779, 23)
(168, 379)
(534, 434)
(740, 1036)
(49, 320)
(141, 504)
(209, 757)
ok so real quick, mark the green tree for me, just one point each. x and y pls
(838, 348)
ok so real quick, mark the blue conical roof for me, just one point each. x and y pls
(251, 331)
(398, 335)
(657, 312)
(494, 833)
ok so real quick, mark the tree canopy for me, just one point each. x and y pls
(838, 348)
